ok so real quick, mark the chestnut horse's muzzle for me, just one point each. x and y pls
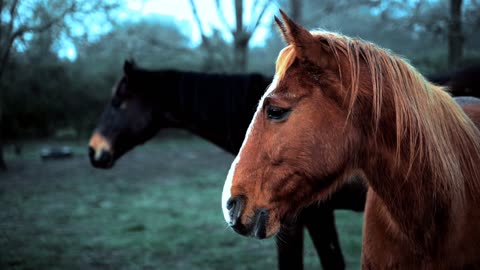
(258, 225)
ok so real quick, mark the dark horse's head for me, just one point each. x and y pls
(131, 117)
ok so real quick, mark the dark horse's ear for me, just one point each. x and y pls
(307, 47)
(128, 66)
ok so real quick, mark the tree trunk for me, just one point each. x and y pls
(296, 11)
(3, 165)
(240, 40)
(455, 35)
(240, 55)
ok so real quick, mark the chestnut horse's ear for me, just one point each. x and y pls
(293, 33)
(282, 29)
(128, 66)
(306, 45)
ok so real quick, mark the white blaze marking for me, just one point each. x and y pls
(226, 194)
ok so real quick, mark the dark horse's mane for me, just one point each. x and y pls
(199, 98)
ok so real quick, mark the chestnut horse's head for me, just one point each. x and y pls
(301, 144)
(130, 118)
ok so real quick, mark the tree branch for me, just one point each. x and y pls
(239, 16)
(5, 55)
(330, 8)
(222, 17)
(12, 12)
(2, 4)
(259, 18)
(199, 23)
(27, 29)
(43, 27)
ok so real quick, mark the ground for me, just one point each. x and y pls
(159, 208)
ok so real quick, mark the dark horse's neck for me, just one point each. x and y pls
(216, 107)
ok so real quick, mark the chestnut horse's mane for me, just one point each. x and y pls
(435, 131)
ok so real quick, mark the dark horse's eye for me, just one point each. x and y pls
(116, 102)
(277, 113)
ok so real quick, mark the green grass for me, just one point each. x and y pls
(159, 208)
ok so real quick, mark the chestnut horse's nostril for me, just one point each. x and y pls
(235, 207)
(260, 223)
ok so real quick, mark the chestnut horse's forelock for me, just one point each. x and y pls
(439, 137)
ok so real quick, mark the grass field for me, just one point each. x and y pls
(159, 208)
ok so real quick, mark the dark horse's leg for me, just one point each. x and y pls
(321, 225)
(290, 247)
(320, 222)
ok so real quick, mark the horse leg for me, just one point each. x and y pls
(290, 247)
(320, 222)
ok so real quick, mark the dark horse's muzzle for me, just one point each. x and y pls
(99, 152)
(102, 159)
(258, 225)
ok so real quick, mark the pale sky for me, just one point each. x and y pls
(181, 11)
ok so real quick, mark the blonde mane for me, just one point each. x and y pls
(285, 59)
(428, 123)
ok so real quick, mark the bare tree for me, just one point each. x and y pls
(21, 20)
(434, 18)
(241, 32)
(3, 165)
(455, 34)
(319, 10)
(209, 45)
(9, 33)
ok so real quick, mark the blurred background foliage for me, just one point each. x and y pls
(60, 58)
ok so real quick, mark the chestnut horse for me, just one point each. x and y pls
(338, 107)
(217, 107)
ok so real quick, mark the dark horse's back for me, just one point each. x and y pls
(221, 103)
(462, 82)
(466, 82)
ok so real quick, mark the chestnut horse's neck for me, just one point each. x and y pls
(420, 152)
(428, 185)
(216, 107)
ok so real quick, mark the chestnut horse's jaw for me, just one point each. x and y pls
(227, 187)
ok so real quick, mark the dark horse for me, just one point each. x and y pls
(217, 108)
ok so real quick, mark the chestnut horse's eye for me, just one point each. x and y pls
(276, 113)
